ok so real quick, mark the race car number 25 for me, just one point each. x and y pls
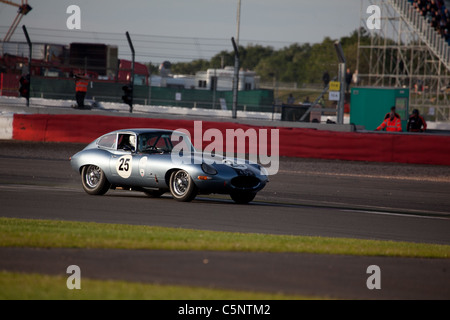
(123, 166)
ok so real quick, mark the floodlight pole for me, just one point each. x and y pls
(238, 22)
(236, 61)
(235, 79)
(30, 47)
(132, 69)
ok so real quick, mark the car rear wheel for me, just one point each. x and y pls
(182, 187)
(243, 197)
(94, 180)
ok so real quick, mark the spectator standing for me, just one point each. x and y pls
(326, 78)
(418, 87)
(290, 99)
(391, 124)
(24, 89)
(348, 80)
(355, 78)
(416, 123)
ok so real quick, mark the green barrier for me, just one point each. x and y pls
(106, 91)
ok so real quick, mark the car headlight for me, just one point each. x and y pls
(263, 171)
(208, 169)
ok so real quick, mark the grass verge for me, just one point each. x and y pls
(69, 234)
(30, 286)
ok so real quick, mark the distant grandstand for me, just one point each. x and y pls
(410, 50)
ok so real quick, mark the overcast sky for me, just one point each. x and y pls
(268, 22)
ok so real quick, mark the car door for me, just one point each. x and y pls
(128, 166)
(122, 161)
(149, 171)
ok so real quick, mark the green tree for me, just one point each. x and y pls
(190, 67)
(301, 63)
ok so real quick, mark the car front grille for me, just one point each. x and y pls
(245, 182)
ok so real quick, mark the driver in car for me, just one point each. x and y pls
(128, 143)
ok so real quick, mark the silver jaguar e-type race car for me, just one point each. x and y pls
(157, 161)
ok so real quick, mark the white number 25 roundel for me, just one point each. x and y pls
(123, 166)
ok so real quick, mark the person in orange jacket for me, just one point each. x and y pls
(389, 113)
(391, 124)
(81, 86)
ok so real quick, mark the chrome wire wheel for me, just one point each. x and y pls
(94, 180)
(93, 176)
(182, 187)
(180, 183)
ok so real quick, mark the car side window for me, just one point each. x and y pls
(108, 141)
(155, 143)
(127, 142)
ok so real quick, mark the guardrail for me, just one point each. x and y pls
(292, 142)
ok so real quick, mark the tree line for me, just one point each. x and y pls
(301, 63)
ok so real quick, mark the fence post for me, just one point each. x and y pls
(132, 70)
(30, 46)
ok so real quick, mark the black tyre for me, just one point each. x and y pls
(243, 197)
(94, 180)
(182, 187)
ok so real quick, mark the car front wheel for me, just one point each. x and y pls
(94, 180)
(182, 187)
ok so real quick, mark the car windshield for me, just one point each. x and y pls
(163, 142)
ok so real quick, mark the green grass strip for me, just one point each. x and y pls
(70, 234)
(25, 286)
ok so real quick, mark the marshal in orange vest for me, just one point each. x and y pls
(81, 85)
(391, 124)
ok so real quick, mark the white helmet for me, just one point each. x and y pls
(132, 140)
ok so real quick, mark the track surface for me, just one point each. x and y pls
(307, 197)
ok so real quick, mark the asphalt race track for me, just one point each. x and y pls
(307, 197)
